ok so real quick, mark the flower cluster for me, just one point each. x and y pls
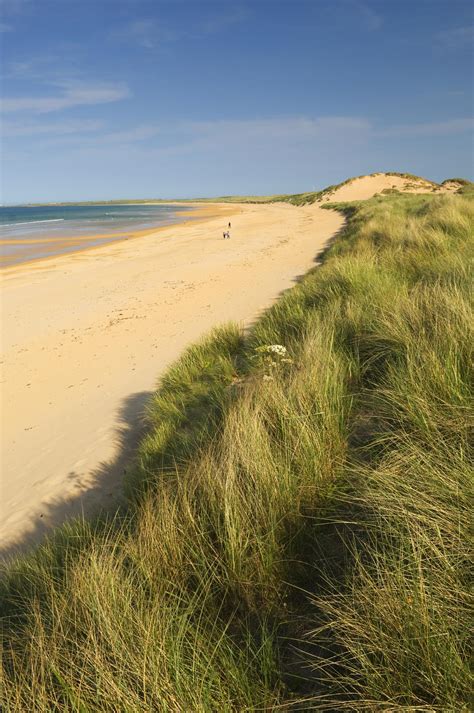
(276, 349)
(271, 357)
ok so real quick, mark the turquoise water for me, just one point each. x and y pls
(31, 232)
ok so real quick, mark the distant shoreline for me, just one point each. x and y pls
(24, 249)
(128, 201)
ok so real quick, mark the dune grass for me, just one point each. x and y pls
(298, 528)
(461, 181)
(299, 199)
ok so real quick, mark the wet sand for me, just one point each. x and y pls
(40, 247)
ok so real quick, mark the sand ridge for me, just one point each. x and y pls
(364, 187)
(85, 337)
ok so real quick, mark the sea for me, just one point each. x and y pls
(33, 232)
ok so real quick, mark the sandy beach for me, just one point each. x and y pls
(86, 336)
(68, 235)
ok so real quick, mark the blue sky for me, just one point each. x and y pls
(169, 98)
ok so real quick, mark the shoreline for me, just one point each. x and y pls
(87, 335)
(78, 243)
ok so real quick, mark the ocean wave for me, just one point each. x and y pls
(30, 222)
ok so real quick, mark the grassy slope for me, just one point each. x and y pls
(297, 532)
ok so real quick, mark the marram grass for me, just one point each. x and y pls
(297, 535)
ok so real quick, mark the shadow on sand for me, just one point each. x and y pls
(96, 491)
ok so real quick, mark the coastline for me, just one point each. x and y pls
(72, 244)
(87, 335)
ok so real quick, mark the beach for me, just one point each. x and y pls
(35, 232)
(86, 337)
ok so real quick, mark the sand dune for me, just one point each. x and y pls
(85, 337)
(365, 187)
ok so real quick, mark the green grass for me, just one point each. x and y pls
(411, 176)
(467, 190)
(297, 534)
(461, 181)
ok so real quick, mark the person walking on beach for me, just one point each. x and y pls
(229, 224)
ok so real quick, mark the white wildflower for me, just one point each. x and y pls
(277, 349)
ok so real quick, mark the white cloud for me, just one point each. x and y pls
(34, 67)
(371, 19)
(87, 136)
(294, 133)
(220, 21)
(302, 136)
(150, 34)
(184, 137)
(434, 128)
(137, 133)
(73, 95)
(274, 128)
(14, 7)
(56, 128)
(145, 33)
(456, 37)
(254, 135)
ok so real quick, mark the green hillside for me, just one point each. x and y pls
(297, 534)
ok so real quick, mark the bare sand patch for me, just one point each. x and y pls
(365, 187)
